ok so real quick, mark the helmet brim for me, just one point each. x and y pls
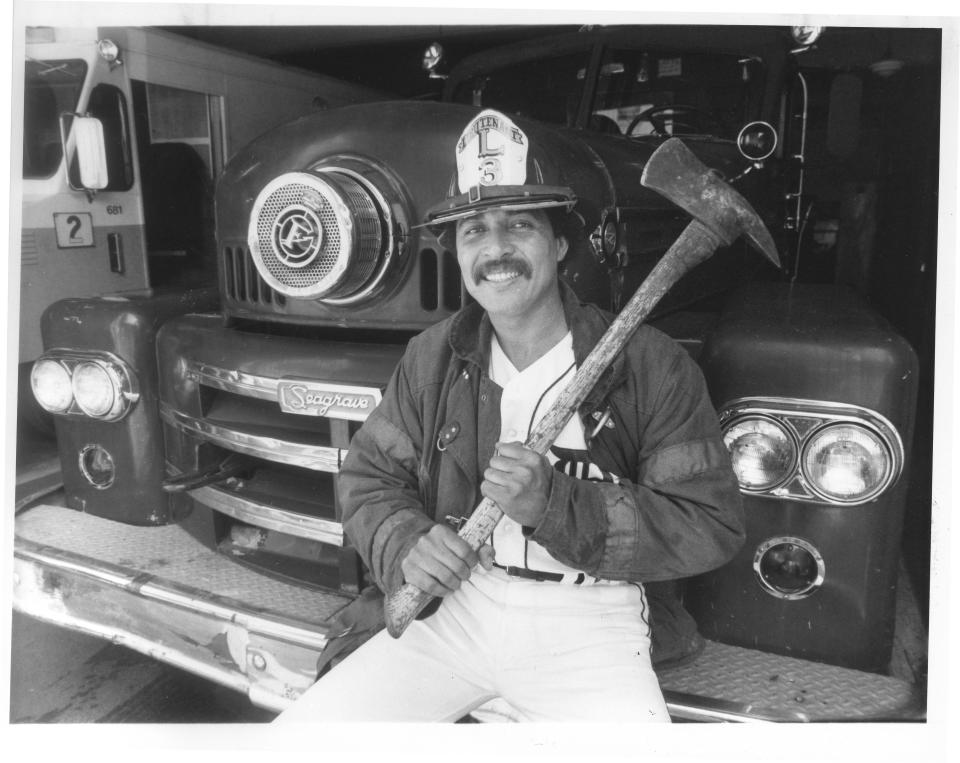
(510, 197)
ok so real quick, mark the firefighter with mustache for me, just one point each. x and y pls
(551, 620)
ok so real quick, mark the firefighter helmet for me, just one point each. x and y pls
(498, 168)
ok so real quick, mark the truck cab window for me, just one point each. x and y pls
(175, 115)
(181, 148)
(108, 104)
(50, 89)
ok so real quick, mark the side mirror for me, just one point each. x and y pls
(757, 140)
(87, 146)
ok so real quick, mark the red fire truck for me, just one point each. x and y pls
(217, 546)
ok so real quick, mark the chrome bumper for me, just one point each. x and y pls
(138, 587)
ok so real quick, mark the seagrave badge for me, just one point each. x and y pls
(492, 150)
(332, 401)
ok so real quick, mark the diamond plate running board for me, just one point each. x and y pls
(733, 683)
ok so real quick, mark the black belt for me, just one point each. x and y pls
(539, 576)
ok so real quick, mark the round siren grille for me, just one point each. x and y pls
(313, 237)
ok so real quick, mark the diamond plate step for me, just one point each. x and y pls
(174, 558)
(774, 687)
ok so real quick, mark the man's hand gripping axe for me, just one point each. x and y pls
(720, 215)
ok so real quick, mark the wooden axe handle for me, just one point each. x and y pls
(696, 244)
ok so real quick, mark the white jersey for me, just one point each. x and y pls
(527, 396)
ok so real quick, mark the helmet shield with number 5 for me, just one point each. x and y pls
(498, 168)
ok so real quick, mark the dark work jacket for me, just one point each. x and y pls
(419, 458)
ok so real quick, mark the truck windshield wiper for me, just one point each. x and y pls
(51, 67)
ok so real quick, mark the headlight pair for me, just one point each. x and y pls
(94, 384)
(811, 450)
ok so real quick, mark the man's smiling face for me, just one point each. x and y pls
(509, 259)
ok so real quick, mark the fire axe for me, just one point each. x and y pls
(720, 216)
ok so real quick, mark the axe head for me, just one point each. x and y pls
(674, 172)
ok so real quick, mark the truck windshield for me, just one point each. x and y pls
(648, 92)
(638, 92)
(545, 88)
(50, 89)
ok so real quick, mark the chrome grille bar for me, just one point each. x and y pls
(270, 517)
(231, 380)
(315, 457)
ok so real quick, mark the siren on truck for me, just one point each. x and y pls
(326, 234)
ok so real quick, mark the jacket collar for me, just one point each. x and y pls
(471, 331)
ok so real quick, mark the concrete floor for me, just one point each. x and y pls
(60, 676)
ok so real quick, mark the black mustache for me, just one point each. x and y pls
(482, 269)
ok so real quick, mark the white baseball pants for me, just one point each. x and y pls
(551, 651)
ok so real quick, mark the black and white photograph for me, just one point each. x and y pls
(482, 369)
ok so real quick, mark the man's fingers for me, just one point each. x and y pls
(433, 577)
(513, 475)
(487, 556)
(429, 574)
(454, 545)
(518, 479)
(512, 454)
(514, 450)
(514, 463)
(439, 561)
(506, 498)
(428, 584)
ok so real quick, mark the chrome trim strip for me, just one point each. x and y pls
(315, 457)
(783, 409)
(183, 597)
(230, 380)
(268, 387)
(696, 708)
(269, 517)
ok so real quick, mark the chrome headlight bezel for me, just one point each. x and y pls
(806, 420)
(57, 367)
(813, 446)
(110, 381)
(126, 388)
(758, 421)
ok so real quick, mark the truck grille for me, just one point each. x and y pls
(225, 398)
(440, 283)
(243, 283)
